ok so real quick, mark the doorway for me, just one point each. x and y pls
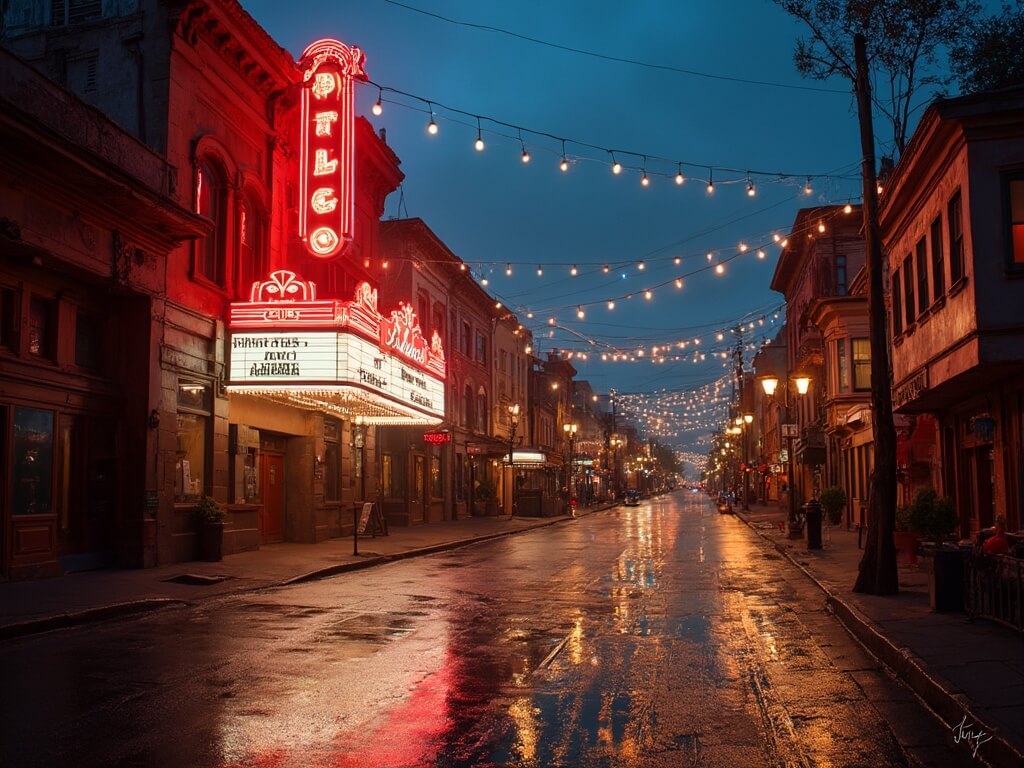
(272, 489)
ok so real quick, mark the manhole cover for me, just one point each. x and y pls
(196, 579)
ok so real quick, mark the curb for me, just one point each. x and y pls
(909, 668)
(87, 616)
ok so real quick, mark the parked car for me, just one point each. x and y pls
(724, 505)
(632, 499)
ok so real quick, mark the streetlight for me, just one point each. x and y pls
(802, 383)
(570, 432)
(513, 420)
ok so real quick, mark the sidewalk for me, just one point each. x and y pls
(44, 604)
(959, 668)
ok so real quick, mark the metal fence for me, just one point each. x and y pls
(995, 589)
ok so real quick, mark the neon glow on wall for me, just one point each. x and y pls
(327, 146)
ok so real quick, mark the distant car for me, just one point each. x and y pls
(632, 499)
(724, 505)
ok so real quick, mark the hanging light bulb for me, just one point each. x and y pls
(616, 165)
(540, 270)
(847, 208)
(432, 128)
(574, 271)
(580, 313)
(720, 269)
(680, 179)
(508, 270)
(378, 107)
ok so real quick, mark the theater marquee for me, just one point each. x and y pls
(343, 357)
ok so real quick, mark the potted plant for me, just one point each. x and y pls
(934, 517)
(832, 500)
(488, 494)
(209, 516)
(904, 539)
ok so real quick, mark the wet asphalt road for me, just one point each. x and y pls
(661, 635)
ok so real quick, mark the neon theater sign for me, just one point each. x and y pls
(327, 146)
(344, 357)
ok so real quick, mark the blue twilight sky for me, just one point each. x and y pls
(493, 210)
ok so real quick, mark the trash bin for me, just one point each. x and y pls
(812, 514)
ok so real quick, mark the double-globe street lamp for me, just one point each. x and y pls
(770, 384)
(570, 432)
(513, 421)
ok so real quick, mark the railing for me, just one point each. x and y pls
(995, 589)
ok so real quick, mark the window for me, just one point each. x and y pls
(195, 406)
(7, 340)
(32, 471)
(252, 254)
(88, 341)
(921, 252)
(467, 340)
(42, 327)
(956, 239)
(211, 202)
(481, 348)
(897, 305)
(386, 475)
(332, 460)
(938, 263)
(908, 290)
(840, 275)
(861, 353)
(1015, 192)
(842, 366)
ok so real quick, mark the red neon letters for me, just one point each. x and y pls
(327, 146)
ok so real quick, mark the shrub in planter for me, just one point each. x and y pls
(832, 500)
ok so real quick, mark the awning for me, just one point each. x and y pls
(349, 403)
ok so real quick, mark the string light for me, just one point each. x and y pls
(378, 107)
(479, 137)
(432, 128)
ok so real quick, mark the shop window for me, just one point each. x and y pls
(842, 366)
(1015, 209)
(436, 478)
(32, 469)
(897, 304)
(7, 340)
(252, 246)
(195, 407)
(387, 486)
(332, 461)
(921, 254)
(954, 215)
(211, 202)
(908, 290)
(42, 327)
(938, 263)
(88, 341)
(861, 353)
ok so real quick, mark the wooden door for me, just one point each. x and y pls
(272, 491)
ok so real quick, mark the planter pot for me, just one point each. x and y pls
(211, 542)
(945, 568)
(906, 545)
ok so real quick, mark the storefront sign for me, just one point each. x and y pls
(911, 390)
(327, 146)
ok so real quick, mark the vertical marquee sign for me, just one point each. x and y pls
(327, 146)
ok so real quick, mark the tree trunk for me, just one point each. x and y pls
(877, 574)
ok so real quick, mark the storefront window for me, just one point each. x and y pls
(194, 410)
(32, 473)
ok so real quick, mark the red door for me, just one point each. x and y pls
(272, 490)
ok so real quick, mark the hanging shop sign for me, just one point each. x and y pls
(286, 342)
(327, 146)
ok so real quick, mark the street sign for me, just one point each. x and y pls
(790, 430)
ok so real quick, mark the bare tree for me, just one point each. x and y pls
(895, 41)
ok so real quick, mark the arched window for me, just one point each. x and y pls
(211, 202)
(252, 245)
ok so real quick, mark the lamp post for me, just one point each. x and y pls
(802, 383)
(570, 432)
(513, 420)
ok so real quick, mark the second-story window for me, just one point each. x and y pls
(897, 304)
(1015, 194)
(954, 218)
(861, 354)
(938, 263)
(908, 290)
(211, 202)
(921, 254)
